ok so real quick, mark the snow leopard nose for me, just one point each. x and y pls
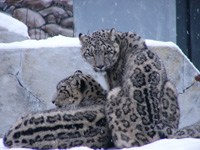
(100, 66)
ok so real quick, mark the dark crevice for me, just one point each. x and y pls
(21, 85)
(19, 82)
(187, 88)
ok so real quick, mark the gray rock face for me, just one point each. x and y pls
(28, 78)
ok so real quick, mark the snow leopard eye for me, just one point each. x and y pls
(109, 47)
(109, 53)
(106, 52)
(89, 53)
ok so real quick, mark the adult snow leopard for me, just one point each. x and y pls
(142, 103)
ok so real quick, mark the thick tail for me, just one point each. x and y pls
(192, 131)
(61, 129)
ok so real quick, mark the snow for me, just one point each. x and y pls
(62, 41)
(159, 43)
(165, 144)
(13, 25)
(57, 41)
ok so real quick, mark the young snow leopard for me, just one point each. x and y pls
(142, 103)
(79, 90)
(83, 125)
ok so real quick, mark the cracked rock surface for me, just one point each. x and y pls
(15, 99)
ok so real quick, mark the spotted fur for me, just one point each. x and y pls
(142, 103)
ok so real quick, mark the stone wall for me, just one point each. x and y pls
(44, 18)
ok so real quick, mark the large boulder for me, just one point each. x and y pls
(29, 17)
(31, 69)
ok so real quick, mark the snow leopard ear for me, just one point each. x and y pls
(78, 72)
(83, 38)
(77, 82)
(112, 34)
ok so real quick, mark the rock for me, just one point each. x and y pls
(12, 30)
(38, 13)
(68, 22)
(29, 76)
(68, 4)
(56, 11)
(54, 29)
(15, 99)
(61, 2)
(70, 13)
(10, 9)
(37, 34)
(28, 17)
(50, 19)
(36, 4)
(13, 2)
(2, 1)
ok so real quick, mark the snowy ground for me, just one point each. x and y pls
(165, 144)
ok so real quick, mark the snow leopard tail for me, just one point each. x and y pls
(61, 128)
(192, 131)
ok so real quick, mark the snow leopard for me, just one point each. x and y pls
(142, 103)
(79, 119)
(79, 90)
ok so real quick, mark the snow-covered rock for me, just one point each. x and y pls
(31, 69)
(12, 30)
